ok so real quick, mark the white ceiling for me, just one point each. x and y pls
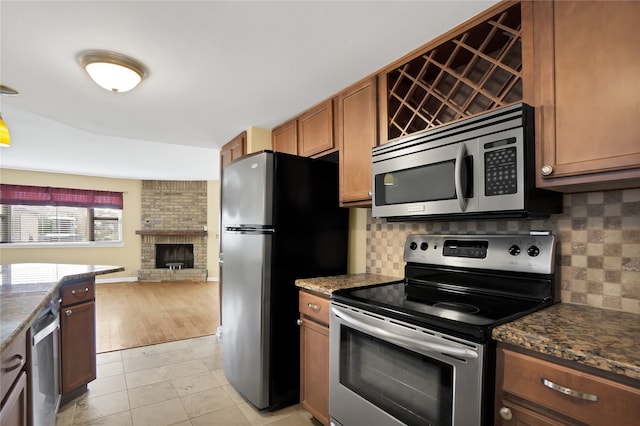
(216, 69)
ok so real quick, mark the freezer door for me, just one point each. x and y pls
(246, 313)
(247, 188)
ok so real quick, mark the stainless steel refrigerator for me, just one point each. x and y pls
(281, 221)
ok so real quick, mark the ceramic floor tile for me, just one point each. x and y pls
(160, 414)
(156, 349)
(109, 369)
(201, 403)
(118, 419)
(65, 414)
(92, 408)
(135, 364)
(195, 383)
(188, 368)
(171, 384)
(105, 385)
(107, 357)
(231, 416)
(151, 394)
(147, 377)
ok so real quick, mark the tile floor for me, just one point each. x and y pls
(178, 383)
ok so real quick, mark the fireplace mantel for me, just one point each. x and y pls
(186, 232)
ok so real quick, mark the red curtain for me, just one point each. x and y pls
(49, 196)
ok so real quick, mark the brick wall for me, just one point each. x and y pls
(173, 206)
(599, 234)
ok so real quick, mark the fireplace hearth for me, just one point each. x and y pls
(172, 255)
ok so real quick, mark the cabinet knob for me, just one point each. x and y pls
(370, 193)
(505, 413)
(299, 322)
(68, 312)
(546, 170)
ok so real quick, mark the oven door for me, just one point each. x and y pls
(386, 372)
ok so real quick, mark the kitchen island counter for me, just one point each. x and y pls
(607, 340)
(25, 288)
(327, 285)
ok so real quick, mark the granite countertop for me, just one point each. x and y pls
(605, 339)
(25, 289)
(327, 285)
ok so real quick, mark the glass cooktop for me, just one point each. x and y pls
(450, 310)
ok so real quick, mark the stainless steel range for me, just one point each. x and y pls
(419, 351)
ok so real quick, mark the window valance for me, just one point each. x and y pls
(51, 196)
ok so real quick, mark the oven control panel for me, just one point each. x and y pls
(533, 253)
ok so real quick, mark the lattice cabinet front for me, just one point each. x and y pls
(479, 70)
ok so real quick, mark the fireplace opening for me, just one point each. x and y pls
(174, 256)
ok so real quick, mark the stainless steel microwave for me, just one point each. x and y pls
(479, 167)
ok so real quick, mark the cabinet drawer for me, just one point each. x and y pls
(582, 396)
(314, 307)
(73, 293)
(14, 357)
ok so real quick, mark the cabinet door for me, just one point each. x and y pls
(515, 415)
(285, 137)
(233, 150)
(14, 409)
(357, 135)
(315, 129)
(314, 369)
(78, 345)
(588, 104)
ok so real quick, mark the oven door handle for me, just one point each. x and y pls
(462, 151)
(405, 341)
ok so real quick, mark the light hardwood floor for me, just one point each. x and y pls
(134, 314)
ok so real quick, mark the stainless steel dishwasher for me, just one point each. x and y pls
(44, 376)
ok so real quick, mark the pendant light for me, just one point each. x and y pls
(112, 71)
(5, 137)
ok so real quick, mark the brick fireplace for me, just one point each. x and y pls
(173, 231)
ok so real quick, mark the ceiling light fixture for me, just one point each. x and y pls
(113, 71)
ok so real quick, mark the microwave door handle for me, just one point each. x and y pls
(462, 151)
(407, 342)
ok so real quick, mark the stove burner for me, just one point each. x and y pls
(459, 307)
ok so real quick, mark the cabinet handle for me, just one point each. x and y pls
(68, 312)
(80, 292)
(299, 322)
(505, 413)
(567, 391)
(313, 307)
(546, 170)
(21, 362)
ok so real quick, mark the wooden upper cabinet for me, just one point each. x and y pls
(357, 135)
(587, 93)
(284, 138)
(315, 130)
(234, 149)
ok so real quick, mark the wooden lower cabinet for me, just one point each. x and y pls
(537, 392)
(14, 408)
(314, 355)
(13, 382)
(77, 336)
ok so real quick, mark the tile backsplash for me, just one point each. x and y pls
(598, 233)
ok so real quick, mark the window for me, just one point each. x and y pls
(39, 215)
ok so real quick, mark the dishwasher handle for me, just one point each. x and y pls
(42, 334)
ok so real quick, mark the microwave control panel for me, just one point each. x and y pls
(500, 167)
